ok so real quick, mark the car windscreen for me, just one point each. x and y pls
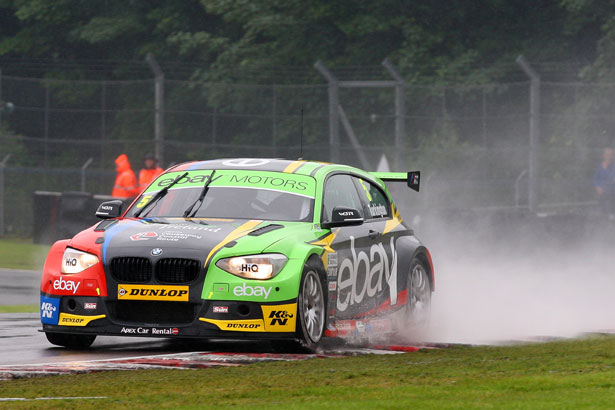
(232, 194)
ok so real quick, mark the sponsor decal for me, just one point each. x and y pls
(165, 331)
(221, 287)
(90, 284)
(280, 318)
(332, 286)
(363, 275)
(66, 285)
(252, 325)
(174, 235)
(50, 309)
(346, 213)
(191, 227)
(89, 305)
(243, 325)
(360, 326)
(134, 331)
(343, 325)
(378, 210)
(332, 272)
(220, 309)
(156, 251)
(153, 292)
(149, 331)
(269, 180)
(67, 319)
(332, 260)
(143, 236)
(247, 290)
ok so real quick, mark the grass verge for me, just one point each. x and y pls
(568, 374)
(22, 254)
(19, 309)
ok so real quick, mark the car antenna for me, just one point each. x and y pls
(301, 138)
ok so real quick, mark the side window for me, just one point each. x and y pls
(340, 191)
(379, 206)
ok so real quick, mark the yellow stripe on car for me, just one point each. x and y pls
(240, 231)
(293, 166)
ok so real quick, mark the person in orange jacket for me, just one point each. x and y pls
(150, 172)
(125, 181)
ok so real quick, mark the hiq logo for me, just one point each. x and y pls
(50, 310)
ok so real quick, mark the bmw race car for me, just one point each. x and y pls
(242, 248)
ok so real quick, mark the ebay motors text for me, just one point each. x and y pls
(274, 181)
(66, 285)
(361, 275)
(153, 292)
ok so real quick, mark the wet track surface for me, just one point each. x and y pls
(25, 351)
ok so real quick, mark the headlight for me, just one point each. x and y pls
(75, 261)
(264, 266)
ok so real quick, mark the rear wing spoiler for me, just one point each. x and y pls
(413, 179)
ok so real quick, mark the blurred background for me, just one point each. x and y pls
(505, 106)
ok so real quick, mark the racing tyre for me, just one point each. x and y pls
(418, 306)
(70, 341)
(311, 306)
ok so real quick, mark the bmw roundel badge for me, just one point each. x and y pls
(156, 251)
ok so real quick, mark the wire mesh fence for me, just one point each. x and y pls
(470, 141)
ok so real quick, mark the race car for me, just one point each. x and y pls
(242, 248)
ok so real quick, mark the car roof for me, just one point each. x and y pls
(302, 167)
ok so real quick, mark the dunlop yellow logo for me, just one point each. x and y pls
(67, 319)
(153, 292)
(252, 325)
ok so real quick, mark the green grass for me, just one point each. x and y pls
(19, 309)
(22, 254)
(559, 375)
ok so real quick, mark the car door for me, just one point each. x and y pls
(379, 242)
(348, 264)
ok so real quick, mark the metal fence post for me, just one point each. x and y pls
(103, 121)
(400, 114)
(46, 125)
(334, 122)
(159, 107)
(2, 166)
(273, 121)
(0, 97)
(533, 167)
(83, 168)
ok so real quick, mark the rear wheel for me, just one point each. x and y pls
(418, 306)
(70, 340)
(312, 306)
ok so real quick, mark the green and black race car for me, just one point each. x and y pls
(242, 248)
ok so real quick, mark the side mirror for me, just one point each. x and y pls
(343, 216)
(110, 209)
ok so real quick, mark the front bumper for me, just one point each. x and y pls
(206, 319)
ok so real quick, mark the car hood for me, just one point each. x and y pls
(193, 238)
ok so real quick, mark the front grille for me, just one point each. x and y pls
(152, 313)
(131, 269)
(174, 270)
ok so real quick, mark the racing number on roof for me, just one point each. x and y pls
(245, 162)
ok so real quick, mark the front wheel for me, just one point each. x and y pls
(311, 307)
(71, 341)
